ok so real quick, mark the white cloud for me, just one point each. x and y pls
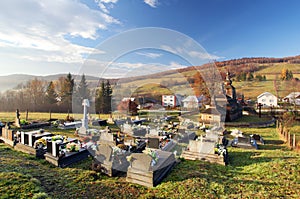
(105, 5)
(36, 30)
(152, 3)
(150, 55)
(202, 55)
(175, 65)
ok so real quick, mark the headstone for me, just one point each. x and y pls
(104, 154)
(141, 161)
(85, 120)
(17, 120)
(202, 147)
(154, 132)
(82, 131)
(153, 143)
(106, 137)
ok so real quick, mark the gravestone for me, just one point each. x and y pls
(206, 147)
(142, 170)
(17, 119)
(153, 143)
(109, 162)
(203, 149)
(107, 138)
(141, 161)
(85, 120)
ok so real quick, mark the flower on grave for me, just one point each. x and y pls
(153, 154)
(72, 147)
(57, 137)
(129, 158)
(40, 143)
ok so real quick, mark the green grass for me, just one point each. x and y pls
(252, 119)
(10, 116)
(270, 172)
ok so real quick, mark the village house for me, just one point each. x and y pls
(293, 98)
(267, 99)
(171, 101)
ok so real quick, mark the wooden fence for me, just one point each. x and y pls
(292, 140)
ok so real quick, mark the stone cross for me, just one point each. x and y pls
(85, 120)
(17, 120)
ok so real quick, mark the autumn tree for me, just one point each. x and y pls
(36, 89)
(198, 85)
(286, 74)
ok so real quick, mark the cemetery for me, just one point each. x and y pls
(141, 153)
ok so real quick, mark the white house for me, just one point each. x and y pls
(293, 97)
(168, 100)
(190, 102)
(267, 100)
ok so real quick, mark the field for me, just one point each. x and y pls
(270, 172)
(39, 116)
(250, 89)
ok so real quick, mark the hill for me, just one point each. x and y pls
(11, 81)
(269, 67)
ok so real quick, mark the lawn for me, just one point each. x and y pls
(270, 172)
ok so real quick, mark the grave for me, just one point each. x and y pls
(8, 135)
(110, 160)
(99, 122)
(204, 149)
(134, 130)
(244, 142)
(183, 135)
(70, 125)
(147, 170)
(64, 153)
(28, 142)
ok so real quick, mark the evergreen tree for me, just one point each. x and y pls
(103, 98)
(67, 92)
(83, 91)
(51, 95)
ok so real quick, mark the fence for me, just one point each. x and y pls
(292, 140)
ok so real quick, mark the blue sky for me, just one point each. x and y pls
(49, 37)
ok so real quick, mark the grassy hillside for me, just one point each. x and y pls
(270, 172)
(250, 89)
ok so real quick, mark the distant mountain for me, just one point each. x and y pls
(12, 81)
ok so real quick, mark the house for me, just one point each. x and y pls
(190, 102)
(171, 101)
(168, 101)
(267, 99)
(293, 98)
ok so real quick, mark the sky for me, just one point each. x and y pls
(40, 37)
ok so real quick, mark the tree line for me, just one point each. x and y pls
(56, 96)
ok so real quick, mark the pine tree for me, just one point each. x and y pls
(83, 91)
(67, 92)
(103, 98)
(51, 95)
